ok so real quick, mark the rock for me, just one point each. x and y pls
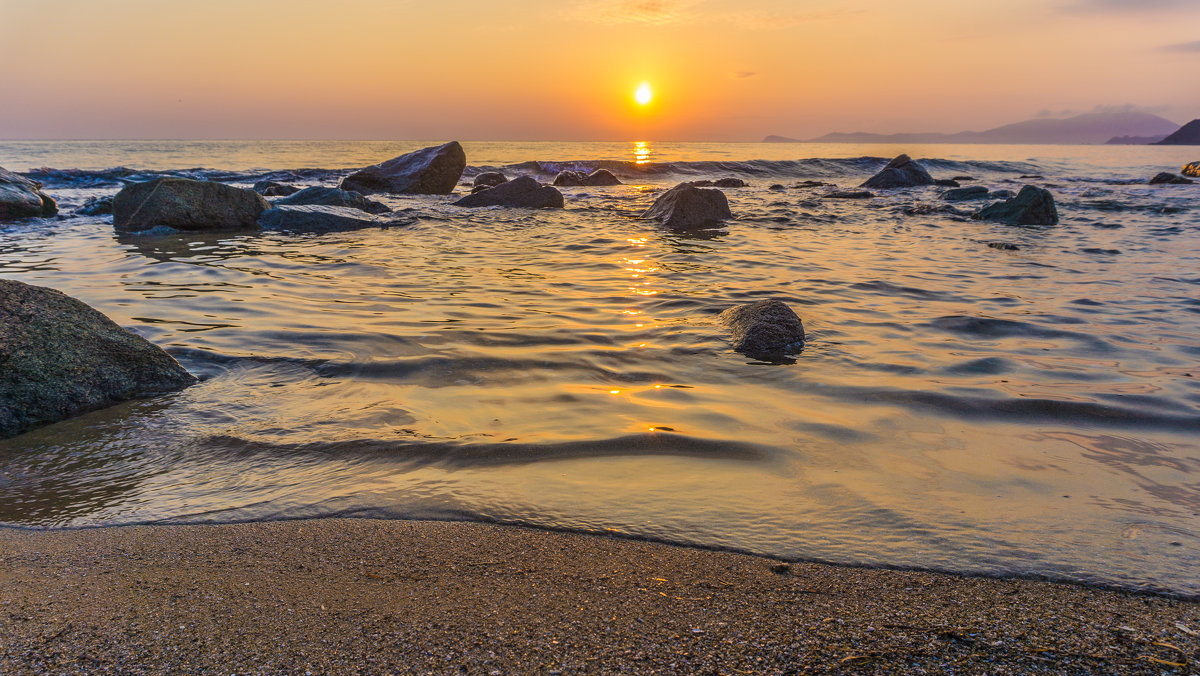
(96, 206)
(960, 179)
(1170, 179)
(599, 177)
(686, 206)
(1031, 206)
(316, 218)
(61, 358)
(489, 179)
(901, 172)
(186, 204)
(765, 327)
(1001, 194)
(569, 178)
(1192, 170)
(21, 197)
(848, 195)
(730, 183)
(946, 182)
(1004, 246)
(333, 197)
(975, 192)
(273, 189)
(428, 171)
(522, 191)
(777, 187)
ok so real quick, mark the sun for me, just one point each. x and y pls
(643, 95)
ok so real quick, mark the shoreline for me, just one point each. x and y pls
(338, 595)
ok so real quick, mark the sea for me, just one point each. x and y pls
(972, 397)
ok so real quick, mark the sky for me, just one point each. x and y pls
(568, 69)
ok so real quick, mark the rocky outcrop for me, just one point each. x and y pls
(273, 189)
(318, 219)
(901, 172)
(60, 358)
(522, 191)
(765, 327)
(975, 192)
(1167, 178)
(489, 179)
(96, 206)
(599, 177)
(1187, 135)
(1192, 170)
(1031, 206)
(333, 197)
(186, 204)
(686, 206)
(23, 198)
(428, 171)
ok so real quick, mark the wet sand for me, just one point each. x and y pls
(365, 596)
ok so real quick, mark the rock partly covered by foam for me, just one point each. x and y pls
(1192, 170)
(901, 172)
(1031, 206)
(428, 171)
(313, 218)
(522, 191)
(489, 179)
(333, 197)
(765, 327)
(1168, 178)
(274, 189)
(686, 206)
(599, 177)
(60, 358)
(22, 198)
(186, 204)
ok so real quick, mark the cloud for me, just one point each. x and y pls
(1125, 5)
(652, 12)
(743, 74)
(773, 20)
(1130, 108)
(1192, 47)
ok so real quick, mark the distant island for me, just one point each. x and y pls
(1188, 135)
(1090, 128)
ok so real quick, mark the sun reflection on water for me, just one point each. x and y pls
(641, 152)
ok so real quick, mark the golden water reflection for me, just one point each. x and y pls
(641, 152)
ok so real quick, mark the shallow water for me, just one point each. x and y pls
(956, 406)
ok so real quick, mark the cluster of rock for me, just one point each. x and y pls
(599, 177)
(1192, 169)
(21, 197)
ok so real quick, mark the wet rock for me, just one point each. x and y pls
(686, 206)
(1192, 170)
(1004, 246)
(21, 197)
(1167, 178)
(273, 189)
(1001, 194)
(810, 184)
(62, 358)
(975, 192)
(186, 204)
(599, 177)
(901, 172)
(1031, 206)
(489, 179)
(319, 219)
(765, 327)
(777, 187)
(719, 183)
(428, 171)
(961, 179)
(333, 197)
(945, 182)
(848, 195)
(522, 191)
(96, 206)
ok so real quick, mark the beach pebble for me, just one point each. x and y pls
(901, 172)
(764, 327)
(428, 171)
(21, 197)
(686, 206)
(186, 204)
(522, 191)
(1031, 206)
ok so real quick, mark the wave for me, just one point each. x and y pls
(119, 176)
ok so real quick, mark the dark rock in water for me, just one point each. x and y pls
(1004, 246)
(1032, 176)
(96, 206)
(1169, 179)
(765, 327)
(945, 182)
(848, 194)
(1031, 206)
(975, 192)
(333, 197)
(778, 187)
(21, 197)
(315, 218)
(1187, 135)
(599, 177)
(61, 358)
(1002, 194)
(686, 206)
(901, 172)
(428, 171)
(522, 191)
(186, 204)
(963, 178)
(810, 184)
(569, 178)
(273, 189)
(489, 179)
(730, 183)
(1192, 170)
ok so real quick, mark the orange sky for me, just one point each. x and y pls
(566, 70)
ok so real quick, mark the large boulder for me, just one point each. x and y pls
(318, 219)
(186, 204)
(333, 197)
(1031, 206)
(1192, 170)
(686, 206)
(599, 177)
(23, 198)
(489, 179)
(901, 172)
(428, 171)
(60, 358)
(1167, 178)
(522, 191)
(765, 327)
(274, 189)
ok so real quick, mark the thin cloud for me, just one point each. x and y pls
(1126, 5)
(743, 74)
(774, 20)
(1190, 47)
(652, 12)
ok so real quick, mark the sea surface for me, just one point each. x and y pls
(1023, 411)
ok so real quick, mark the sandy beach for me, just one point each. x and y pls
(367, 596)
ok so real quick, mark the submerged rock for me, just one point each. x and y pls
(765, 327)
(96, 206)
(333, 197)
(314, 218)
(946, 182)
(428, 171)
(849, 195)
(1169, 179)
(522, 191)
(599, 177)
(1004, 246)
(489, 179)
(686, 206)
(61, 358)
(273, 189)
(901, 172)
(186, 204)
(21, 197)
(1031, 206)
(975, 192)
(1192, 170)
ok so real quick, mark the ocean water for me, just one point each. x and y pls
(1029, 411)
